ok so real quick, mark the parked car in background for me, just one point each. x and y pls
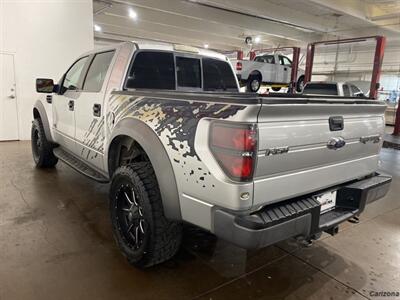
(338, 89)
(390, 113)
(272, 69)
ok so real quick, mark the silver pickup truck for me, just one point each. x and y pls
(166, 126)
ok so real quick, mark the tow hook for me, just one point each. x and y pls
(333, 230)
(309, 241)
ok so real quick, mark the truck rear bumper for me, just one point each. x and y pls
(298, 217)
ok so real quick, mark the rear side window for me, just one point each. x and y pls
(152, 70)
(218, 75)
(269, 59)
(320, 89)
(188, 71)
(97, 71)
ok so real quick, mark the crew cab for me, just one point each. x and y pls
(273, 69)
(338, 89)
(165, 126)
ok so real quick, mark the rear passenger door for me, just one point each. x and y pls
(89, 110)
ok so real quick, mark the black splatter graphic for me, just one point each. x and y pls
(179, 119)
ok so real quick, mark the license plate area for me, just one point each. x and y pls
(327, 200)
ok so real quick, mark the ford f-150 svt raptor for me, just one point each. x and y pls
(166, 126)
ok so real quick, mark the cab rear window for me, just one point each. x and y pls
(188, 71)
(152, 70)
(218, 75)
(169, 71)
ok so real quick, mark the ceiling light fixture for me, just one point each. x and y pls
(97, 28)
(206, 46)
(257, 39)
(132, 14)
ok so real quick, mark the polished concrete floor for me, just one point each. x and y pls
(56, 243)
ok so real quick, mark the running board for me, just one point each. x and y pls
(79, 166)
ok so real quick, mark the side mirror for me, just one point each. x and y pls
(44, 85)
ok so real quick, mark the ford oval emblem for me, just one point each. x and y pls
(336, 143)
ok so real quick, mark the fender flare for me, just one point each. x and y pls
(255, 71)
(43, 116)
(155, 150)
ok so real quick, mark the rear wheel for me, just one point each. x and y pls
(300, 84)
(144, 235)
(42, 150)
(254, 83)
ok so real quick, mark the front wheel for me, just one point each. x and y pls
(144, 235)
(42, 150)
(300, 84)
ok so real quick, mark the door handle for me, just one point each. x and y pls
(97, 110)
(71, 105)
(11, 97)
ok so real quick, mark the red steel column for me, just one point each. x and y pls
(396, 130)
(295, 68)
(309, 62)
(240, 55)
(252, 54)
(376, 71)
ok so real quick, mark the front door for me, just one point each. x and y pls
(64, 105)
(8, 99)
(89, 111)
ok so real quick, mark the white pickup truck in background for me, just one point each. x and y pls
(272, 69)
(341, 89)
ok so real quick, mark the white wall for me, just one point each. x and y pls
(45, 37)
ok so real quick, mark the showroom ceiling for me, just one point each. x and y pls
(223, 24)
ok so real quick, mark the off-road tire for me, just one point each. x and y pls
(42, 149)
(162, 237)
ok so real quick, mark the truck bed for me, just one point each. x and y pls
(248, 98)
(300, 126)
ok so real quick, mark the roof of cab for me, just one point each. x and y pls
(150, 45)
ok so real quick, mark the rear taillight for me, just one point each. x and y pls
(238, 66)
(235, 148)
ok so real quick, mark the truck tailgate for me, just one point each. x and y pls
(293, 157)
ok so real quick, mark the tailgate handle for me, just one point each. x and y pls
(336, 123)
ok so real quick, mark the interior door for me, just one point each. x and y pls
(8, 99)
(64, 105)
(89, 111)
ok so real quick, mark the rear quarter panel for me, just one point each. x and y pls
(182, 126)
